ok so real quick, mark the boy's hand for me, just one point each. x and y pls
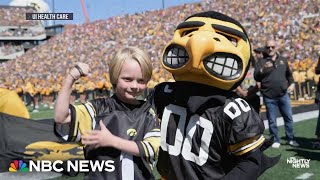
(99, 138)
(81, 69)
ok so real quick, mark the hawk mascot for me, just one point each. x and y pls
(207, 131)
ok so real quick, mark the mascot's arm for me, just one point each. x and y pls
(251, 165)
(247, 167)
(246, 144)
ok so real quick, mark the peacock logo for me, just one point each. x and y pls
(18, 166)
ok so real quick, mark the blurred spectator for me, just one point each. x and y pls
(317, 132)
(249, 88)
(276, 83)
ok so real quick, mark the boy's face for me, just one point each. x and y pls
(130, 82)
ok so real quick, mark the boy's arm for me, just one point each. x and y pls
(149, 146)
(104, 138)
(82, 119)
(61, 112)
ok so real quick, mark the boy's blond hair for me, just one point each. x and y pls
(127, 53)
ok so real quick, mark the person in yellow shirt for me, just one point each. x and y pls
(90, 89)
(81, 90)
(103, 89)
(36, 96)
(49, 96)
(303, 82)
(32, 96)
(19, 89)
(296, 79)
(44, 98)
(108, 86)
(99, 91)
(73, 95)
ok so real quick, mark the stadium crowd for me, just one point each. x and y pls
(13, 16)
(20, 32)
(7, 48)
(295, 24)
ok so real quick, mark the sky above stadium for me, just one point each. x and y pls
(103, 9)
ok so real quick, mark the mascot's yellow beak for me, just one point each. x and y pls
(200, 46)
(208, 50)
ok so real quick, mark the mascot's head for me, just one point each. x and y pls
(209, 48)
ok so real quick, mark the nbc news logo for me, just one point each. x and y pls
(18, 166)
(76, 165)
(298, 163)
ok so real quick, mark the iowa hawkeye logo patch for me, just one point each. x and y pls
(132, 132)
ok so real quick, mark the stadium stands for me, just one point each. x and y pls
(15, 30)
(295, 24)
(14, 15)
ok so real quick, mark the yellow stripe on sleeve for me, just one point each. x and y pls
(75, 130)
(154, 143)
(145, 151)
(249, 147)
(234, 147)
(83, 118)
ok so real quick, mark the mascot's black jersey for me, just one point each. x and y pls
(204, 130)
(126, 121)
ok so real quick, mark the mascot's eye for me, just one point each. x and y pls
(233, 40)
(175, 56)
(184, 33)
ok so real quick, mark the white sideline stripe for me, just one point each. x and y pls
(296, 118)
(29, 175)
(304, 176)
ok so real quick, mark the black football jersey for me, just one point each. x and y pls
(203, 130)
(138, 124)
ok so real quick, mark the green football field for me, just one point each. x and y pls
(304, 132)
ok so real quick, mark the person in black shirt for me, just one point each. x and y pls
(276, 81)
(316, 144)
(249, 88)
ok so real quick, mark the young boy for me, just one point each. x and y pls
(120, 128)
